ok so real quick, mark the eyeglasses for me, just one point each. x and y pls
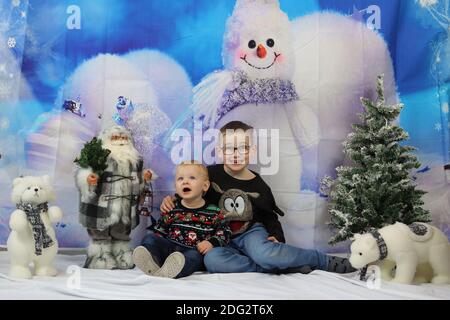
(244, 149)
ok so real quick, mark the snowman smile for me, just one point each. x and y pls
(261, 68)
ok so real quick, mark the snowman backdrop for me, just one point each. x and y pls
(293, 68)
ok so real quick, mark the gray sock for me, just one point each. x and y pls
(339, 265)
(303, 269)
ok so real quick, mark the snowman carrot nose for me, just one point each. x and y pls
(261, 51)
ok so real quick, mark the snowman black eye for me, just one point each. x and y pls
(29, 188)
(270, 42)
(360, 253)
(252, 44)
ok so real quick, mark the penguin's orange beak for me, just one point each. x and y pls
(261, 51)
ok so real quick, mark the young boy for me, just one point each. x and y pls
(261, 247)
(186, 232)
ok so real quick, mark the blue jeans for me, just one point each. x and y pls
(252, 252)
(161, 248)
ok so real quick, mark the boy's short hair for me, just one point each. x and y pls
(235, 125)
(200, 166)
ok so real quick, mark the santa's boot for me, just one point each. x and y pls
(99, 256)
(123, 254)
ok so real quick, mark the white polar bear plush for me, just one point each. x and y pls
(32, 238)
(412, 249)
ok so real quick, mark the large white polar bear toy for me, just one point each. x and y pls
(290, 76)
(407, 248)
(32, 237)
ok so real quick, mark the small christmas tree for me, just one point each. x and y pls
(93, 155)
(377, 190)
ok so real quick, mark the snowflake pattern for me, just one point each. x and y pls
(437, 127)
(13, 26)
(11, 42)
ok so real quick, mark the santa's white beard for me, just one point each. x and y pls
(124, 154)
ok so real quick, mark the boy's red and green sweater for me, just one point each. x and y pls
(188, 227)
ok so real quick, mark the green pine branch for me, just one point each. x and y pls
(94, 156)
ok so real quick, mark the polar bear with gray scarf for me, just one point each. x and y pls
(408, 248)
(32, 238)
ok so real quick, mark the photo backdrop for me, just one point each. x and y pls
(64, 64)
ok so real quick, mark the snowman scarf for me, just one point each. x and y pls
(41, 237)
(255, 91)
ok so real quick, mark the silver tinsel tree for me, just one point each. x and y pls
(377, 190)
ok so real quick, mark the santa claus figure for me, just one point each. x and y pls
(176, 233)
(109, 199)
(192, 237)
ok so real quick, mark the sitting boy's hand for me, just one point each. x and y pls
(204, 246)
(272, 238)
(168, 204)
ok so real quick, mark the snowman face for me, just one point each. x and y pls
(260, 44)
(263, 55)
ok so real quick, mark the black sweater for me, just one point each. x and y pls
(265, 209)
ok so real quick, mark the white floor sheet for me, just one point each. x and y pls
(74, 282)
